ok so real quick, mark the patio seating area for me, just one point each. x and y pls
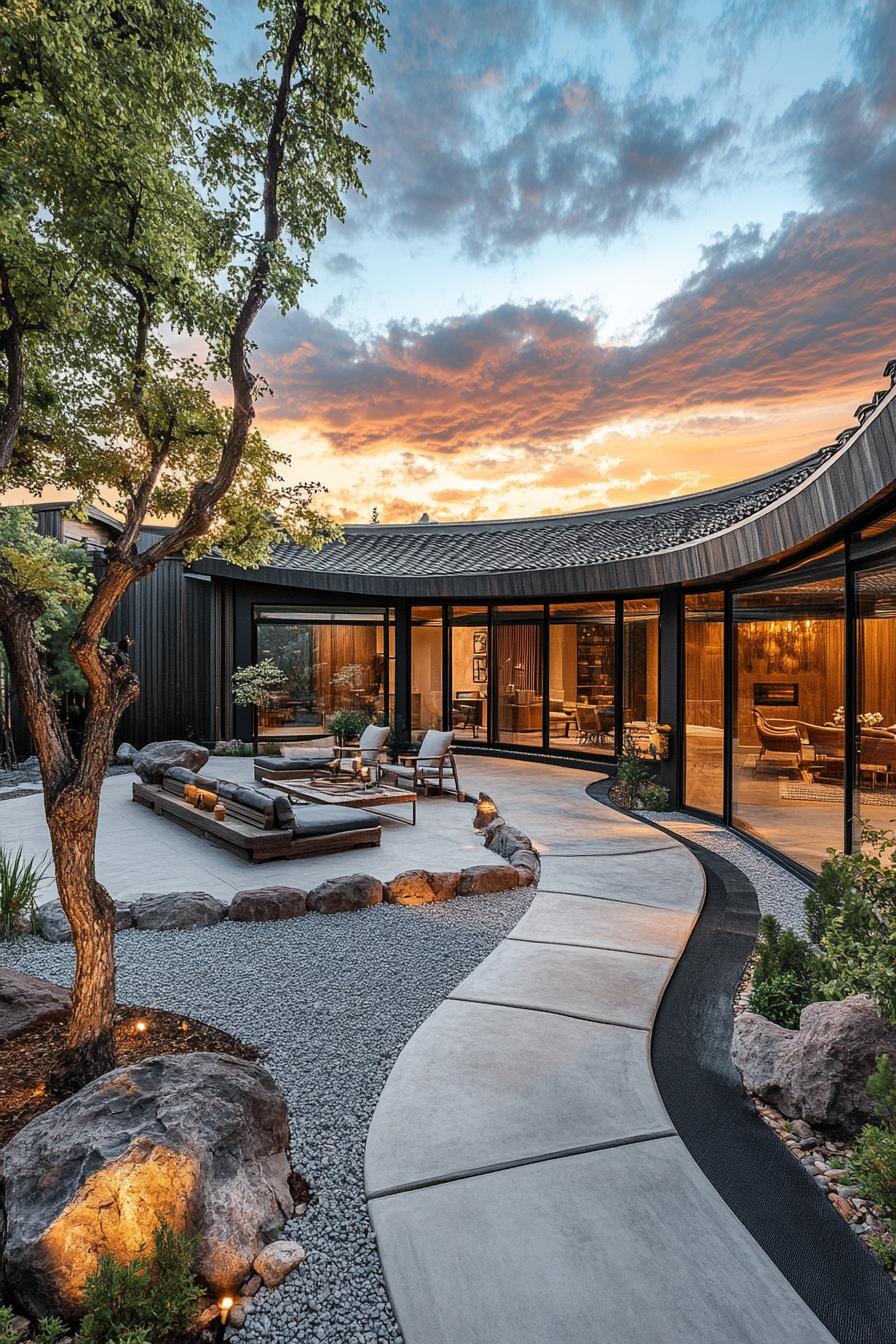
(521, 1124)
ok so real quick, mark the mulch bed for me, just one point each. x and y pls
(26, 1060)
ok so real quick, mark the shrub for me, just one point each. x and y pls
(49, 1330)
(654, 798)
(19, 880)
(152, 1299)
(873, 1165)
(347, 725)
(254, 685)
(884, 1247)
(852, 917)
(234, 747)
(633, 775)
(786, 975)
(7, 1334)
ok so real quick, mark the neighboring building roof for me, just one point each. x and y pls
(689, 539)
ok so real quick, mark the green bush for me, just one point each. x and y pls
(49, 1330)
(852, 916)
(873, 1166)
(633, 775)
(347, 725)
(884, 1247)
(7, 1334)
(654, 798)
(873, 1162)
(19, 880)
(786, 975)
(152, 1299)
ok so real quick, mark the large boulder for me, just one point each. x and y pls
(345, 893)
(506, 840)
(157, 757)
(268, 903)
(419, 887)
(197, 1140)
(487, 878)
(177, 910)
(26, 1001)
(52, 923)
(820, 1072)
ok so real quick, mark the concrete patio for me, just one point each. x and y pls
(138, 851)
(524, 1179)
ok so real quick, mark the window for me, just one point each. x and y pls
(518, 674)
(788, 734)
(582, 676)
(330, 660)
(640, 668)
(426, 668)
(704, 697)
(875, 798)
(469, 672)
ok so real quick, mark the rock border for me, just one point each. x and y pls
(162, 911)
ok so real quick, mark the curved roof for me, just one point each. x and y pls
(692, 538)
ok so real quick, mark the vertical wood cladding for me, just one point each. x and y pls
(169, 618)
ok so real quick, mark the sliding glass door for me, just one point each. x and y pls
(519, 691)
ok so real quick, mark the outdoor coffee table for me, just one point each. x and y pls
(349, 793)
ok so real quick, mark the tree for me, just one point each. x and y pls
(149, 209)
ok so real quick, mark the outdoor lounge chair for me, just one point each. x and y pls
(297, 760)
(259, 824)
(371, 747)
(428, 767)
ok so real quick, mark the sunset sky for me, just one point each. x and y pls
(611, 250)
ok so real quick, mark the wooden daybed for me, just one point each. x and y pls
(259, 825)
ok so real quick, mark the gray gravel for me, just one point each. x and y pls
(779, 893)
(329, 1000)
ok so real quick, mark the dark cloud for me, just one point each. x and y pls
(470, 139)
(343, 263)
(809, 312)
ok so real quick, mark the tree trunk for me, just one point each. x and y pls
(72, 819)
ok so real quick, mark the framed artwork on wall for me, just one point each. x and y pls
(480, 669)
(480, 641)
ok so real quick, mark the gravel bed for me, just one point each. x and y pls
(329, 1000)
(779, 893)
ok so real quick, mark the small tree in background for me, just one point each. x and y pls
(147, 208)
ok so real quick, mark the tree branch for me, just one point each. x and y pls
(11, 415)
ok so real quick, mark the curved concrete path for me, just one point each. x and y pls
(525, 1183)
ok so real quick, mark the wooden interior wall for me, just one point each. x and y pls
(426, 676)
(819, 674)
(704, 645)
(876, 692)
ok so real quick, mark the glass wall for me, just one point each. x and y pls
(704, 701)
(640, 668)
(426, 668)
(518, 675)
(788, 734)
(582, 676)
(874, 802)
(330, 660)
(469, 666)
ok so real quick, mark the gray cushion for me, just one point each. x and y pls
(277, 764)
(179, 774)
(330, 819)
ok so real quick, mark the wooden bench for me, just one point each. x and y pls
(245, 835)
